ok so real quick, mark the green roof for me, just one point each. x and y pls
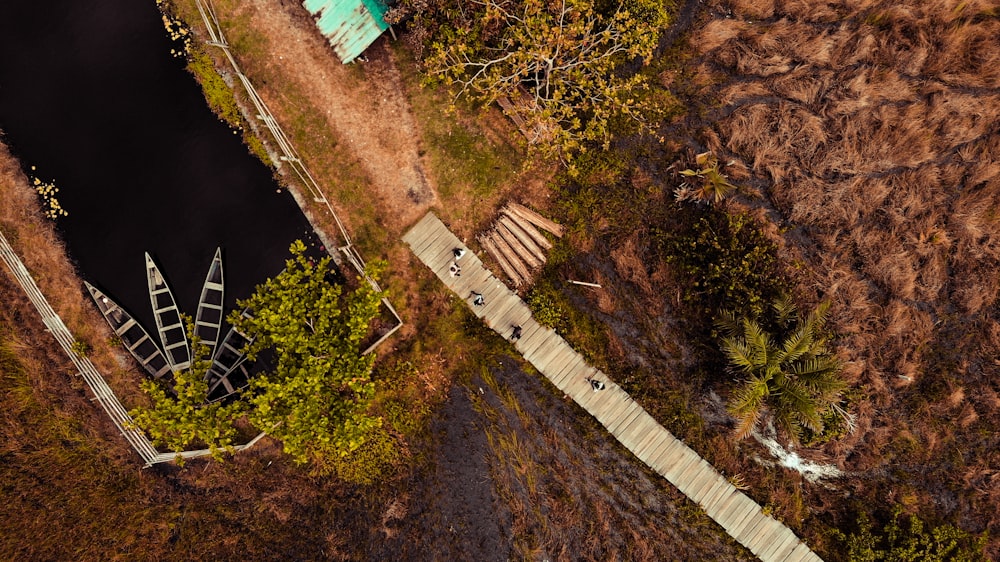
(349, 25)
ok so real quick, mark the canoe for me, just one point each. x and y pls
(132, 334)
(169, 323)
(208, 319)
(228, 373)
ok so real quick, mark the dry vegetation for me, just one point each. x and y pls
(873, 131)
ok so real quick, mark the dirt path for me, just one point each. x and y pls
(368, 111)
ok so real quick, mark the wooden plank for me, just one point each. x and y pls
(764, 537)
(425, 224)
(571, 370)
(723, 504)
(720, 487)
(719, 490)
(739, 513)
(544, 353)
(557, 353)
(686, 459)
(747, 534)
(532, 335)
(749, 523)
(428, 236)
(689, 480)
(657, 447)
(505, 265)
(418, 237)
(627, 415)
(528, 229)
(511, 255)
(783, 543)
(536, 219)
(643, 424)
(644, 444)
(568, 370)
(512, 233)
(707, 480)
(657, 457)
(802, 553)
(438, 257)
(626, 426)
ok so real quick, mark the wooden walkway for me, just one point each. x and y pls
(740, 516)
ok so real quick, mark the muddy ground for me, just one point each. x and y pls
(520, 472)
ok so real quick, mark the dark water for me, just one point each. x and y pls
(90, 94)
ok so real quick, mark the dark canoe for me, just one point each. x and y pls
(168, 318)
(208, 320)
(229, 373)
(132, 334)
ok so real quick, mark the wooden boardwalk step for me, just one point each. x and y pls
(432, 242)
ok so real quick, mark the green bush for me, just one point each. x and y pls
(909, 539)
(370, 462)
(724, 261)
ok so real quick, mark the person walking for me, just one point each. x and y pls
(517, 333)
(477, 299)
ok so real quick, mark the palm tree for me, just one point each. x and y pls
(715, 186)
(795, 379)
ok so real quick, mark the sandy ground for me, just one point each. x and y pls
(371, 116)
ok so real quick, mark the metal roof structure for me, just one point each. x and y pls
(350, 25)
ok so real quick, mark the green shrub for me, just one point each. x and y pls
(370, 462)
(909, 539)
(724, 261)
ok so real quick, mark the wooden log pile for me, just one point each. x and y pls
(517, 245)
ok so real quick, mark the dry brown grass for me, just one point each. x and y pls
(34, 239)
(876, 127)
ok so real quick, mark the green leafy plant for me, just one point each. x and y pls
(724, 261)
(714, 185)
(315, 399)
(81, 347)
(183, 416)
(911, 540)
(789, 373)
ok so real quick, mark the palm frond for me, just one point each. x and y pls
(747, 405)
(758, 340)
(784, 309)
(785, 420)
(817, 318)
(728, 324)
(797, 344)
(815, 366)
(796, 401)
(740, 355)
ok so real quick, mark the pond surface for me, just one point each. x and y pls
(91, 96)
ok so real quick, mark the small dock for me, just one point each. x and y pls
(741, 517)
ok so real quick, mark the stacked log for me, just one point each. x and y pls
(528, 228)
(536, 219)
(516, 244)
(487, 243)
(512, 256)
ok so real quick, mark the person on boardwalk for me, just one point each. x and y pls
(458, 253)
(517, 333)
(595, 384)
(454, 269)
(477, 299)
